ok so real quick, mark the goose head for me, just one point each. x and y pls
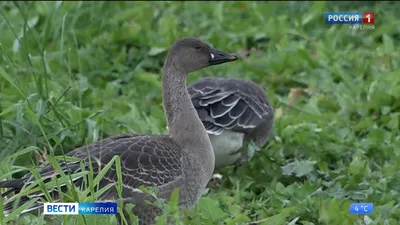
(192, 54)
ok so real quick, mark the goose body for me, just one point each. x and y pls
(233, 112)
(182, 159)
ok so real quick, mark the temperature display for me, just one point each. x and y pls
(361, 208)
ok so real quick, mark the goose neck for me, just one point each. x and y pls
(184, 125)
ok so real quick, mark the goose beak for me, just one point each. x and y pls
(219, 57)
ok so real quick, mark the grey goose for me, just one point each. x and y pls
(182, 159)
(234, 112)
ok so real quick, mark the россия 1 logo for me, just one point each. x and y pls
(356, 20)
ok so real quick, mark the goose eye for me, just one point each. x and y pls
(197, 47)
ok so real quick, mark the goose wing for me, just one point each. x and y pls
(148, 160)
(234, 104)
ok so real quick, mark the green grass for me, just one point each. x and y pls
(72, 73)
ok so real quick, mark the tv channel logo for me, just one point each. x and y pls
(85, 208)
(349, 18)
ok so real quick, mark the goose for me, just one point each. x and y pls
(234, 113)
(182, 159)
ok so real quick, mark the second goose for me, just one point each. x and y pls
(234, 112)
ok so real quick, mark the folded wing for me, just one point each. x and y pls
(233, 104)
(148, 160)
